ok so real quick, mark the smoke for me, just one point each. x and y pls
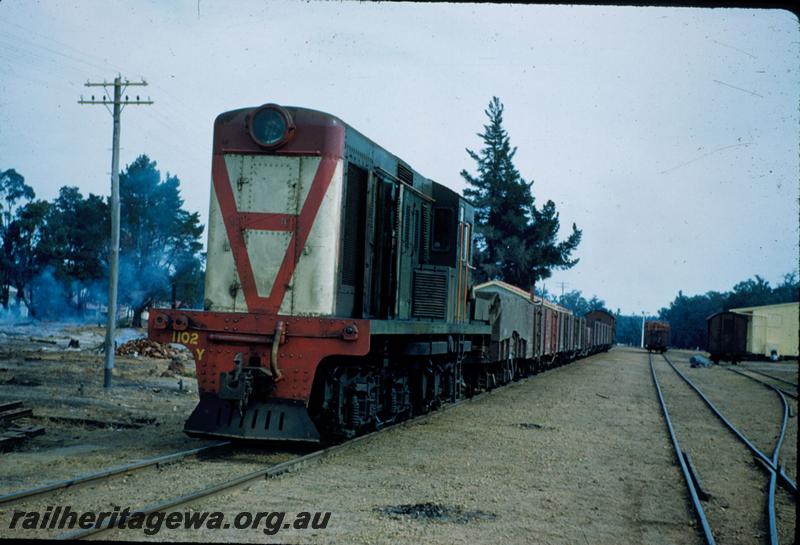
(151, 282)
(139, 283)
(15, 313)
(68, 299)
(48, 296)
(53, 297)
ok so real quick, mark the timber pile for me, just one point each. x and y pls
(147, 348)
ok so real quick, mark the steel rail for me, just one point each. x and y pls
(773, 527)
(788, 482)
(701, 515)
(107, 473)
(790, 394)
(279, 469)
(702, 493)
(773, 377)
(764, 382)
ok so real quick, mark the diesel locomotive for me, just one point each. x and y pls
(338, 289)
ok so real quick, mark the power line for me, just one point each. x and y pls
(179, 112)
(25, 36)
(118, 103)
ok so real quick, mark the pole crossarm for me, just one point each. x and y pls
(125, 83)
(111, 102)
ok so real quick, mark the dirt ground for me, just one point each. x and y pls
(88, 427)
(579, 455)
(575, 455)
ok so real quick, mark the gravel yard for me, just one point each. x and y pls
(87, 427)
(576, 455)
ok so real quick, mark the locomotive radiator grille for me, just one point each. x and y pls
(429, 298)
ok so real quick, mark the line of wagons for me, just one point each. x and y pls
(532, 334)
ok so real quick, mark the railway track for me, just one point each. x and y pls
(699, 496)
(777, 384)
(784, 381)
(132, 485)
(213, 453)
(110, 473)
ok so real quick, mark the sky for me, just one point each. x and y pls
(670, 136)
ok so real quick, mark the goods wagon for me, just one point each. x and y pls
(727, 336)
(602, 316)
(512, 321)
(549, 333)
(656, 336)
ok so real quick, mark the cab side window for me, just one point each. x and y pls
(442, 229)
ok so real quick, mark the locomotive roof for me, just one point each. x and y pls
(318, 121)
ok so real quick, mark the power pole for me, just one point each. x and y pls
(118, 103)
(562, 287)
(643, 314)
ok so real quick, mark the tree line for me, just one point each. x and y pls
(579, 305)
(54, 254)
(687, 314)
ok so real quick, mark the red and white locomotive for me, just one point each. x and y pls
(338, 291)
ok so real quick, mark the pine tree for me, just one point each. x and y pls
(502, 201)
(515, 241)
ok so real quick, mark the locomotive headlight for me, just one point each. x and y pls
(271, 126)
